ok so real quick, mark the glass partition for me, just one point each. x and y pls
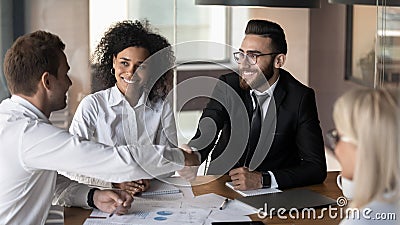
(388, 46)
(373, 45)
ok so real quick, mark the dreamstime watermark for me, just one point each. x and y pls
(333, 212)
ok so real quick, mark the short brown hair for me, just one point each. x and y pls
(28, 58)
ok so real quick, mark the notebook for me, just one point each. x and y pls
(160, 188)
(260, 191)
(295, 198)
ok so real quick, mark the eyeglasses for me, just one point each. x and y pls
(332, 137)
(240, 57)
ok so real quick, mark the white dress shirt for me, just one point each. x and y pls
(264, 108)
(32, 150)
(107, 117)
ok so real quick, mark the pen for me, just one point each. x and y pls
(116, 210)
(97, 217)
(223, 205)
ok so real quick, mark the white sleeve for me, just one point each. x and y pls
(84, 125)
(168, 134)
(70, 193)
(98, 183)
(274, 184)
(167, 130)
(85, 118)
(47, 147)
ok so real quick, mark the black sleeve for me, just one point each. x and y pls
(212, 120)
(309, 142)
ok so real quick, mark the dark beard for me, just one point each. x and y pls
(268, 73)
(243, 84)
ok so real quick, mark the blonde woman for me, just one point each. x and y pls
(366, 144)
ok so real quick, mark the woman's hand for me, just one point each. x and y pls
(133, 187)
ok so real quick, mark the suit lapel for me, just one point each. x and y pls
(248, 103)
(280, 89)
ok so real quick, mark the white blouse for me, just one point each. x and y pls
(107, 117)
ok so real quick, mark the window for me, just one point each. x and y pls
(12, 26)
(373, 44)
(194, 23)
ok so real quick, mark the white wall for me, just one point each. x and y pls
(69, 20)
(5, 41)
(295, 23)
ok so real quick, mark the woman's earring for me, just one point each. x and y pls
(112, 71)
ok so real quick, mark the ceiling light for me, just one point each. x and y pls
(368, 2)
(264, 3)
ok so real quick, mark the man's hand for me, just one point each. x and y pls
(243, 179)
(189, 172)
(108, 200)
(191, 159)
(133, 187)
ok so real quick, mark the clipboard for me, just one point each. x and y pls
(295, 198)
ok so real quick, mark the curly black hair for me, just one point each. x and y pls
(134, 34)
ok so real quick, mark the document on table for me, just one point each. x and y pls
(170, 216)
(214, 201)
(202, 209)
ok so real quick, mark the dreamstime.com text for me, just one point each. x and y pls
(333, 212)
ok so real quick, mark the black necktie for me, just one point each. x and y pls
(255, 127)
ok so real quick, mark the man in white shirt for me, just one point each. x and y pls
(32, 149)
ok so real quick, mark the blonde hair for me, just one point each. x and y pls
(370, 118)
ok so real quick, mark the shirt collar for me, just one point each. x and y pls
(116, 97)
(26, 104)
(269, 91)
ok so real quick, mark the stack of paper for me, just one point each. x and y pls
(255, 192)
(160, 188)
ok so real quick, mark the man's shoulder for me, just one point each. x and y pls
(4, 105)
(8, 112)
(292, 83)
(232, 79)
(13, 115)
(10, 109)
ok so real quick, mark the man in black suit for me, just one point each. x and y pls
(262, 126)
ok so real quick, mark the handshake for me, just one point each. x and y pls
(192, 163)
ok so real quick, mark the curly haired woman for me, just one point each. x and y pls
(132, 77)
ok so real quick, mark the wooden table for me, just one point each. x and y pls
(209, 184)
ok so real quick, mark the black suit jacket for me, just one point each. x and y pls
(290, 146)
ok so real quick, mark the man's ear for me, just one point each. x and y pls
(46, 80)
(280, 60)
